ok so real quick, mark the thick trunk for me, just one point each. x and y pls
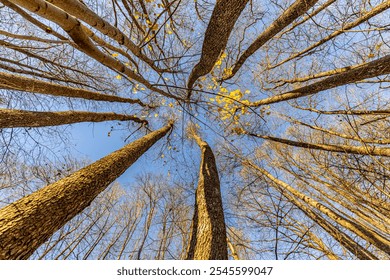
(17, 82)
(223, 18)
(18, 118)
(208, 230)
(30, 221)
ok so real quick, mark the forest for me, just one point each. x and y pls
(195, 130)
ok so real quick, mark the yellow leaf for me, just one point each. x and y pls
(223, 90)
(118, 77)
(115, 54)
(156, 115)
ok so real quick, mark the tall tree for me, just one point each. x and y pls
(19, 118)
(208, 230)
(30, 221)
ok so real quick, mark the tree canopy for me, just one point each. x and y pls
(288, 100)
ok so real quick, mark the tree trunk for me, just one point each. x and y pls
(80, 35)
(297, 9)
(223, 18)
(208, 230)
(358, 150)
(18, 118)
(378, 67)
(370, 236)
(16, 82)
(30, 221)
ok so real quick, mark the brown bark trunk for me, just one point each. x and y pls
(17, 82)
(82, 12)
(223, 18)
(79, 35)
(297, 9)
(30, 221)
(368, 70)
(18, 118)
(208, 229)
(359, 150)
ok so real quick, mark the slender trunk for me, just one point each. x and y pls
(80, 35)
(365, 17)
(368, 70)
(232, 249)
(17, 82)
(30, 221)
(82, 12)
(208, 229)
(359, 150)
(18, 118)
(370, 236)
(297, 9)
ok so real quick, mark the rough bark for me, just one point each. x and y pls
(223, 18)
(82, 12)
(30, 221)
(359, 150)
(297, 9)
(368, 70)
(17, 82)
(18, 118)
(208, 229)
(80, 35)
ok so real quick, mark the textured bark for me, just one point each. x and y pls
(370, 236)
(82, 12)
(17, 82)
(80, 35)
(368, 70)
(348, 112)
(359, 150)
(297, 9)
(223, 18)
(30, 221)
(208, 229)
(18, 118)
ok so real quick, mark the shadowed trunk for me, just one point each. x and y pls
(208, 230)
(18, 118)
(223, 18)
(30, 221)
